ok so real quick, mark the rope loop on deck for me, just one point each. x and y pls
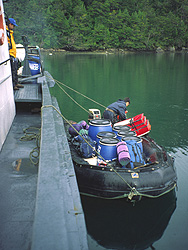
(33, 133)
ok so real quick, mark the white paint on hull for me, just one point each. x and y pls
(7, 104)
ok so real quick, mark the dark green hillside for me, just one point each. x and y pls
(101, 24)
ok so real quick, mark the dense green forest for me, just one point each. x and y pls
(101, 24)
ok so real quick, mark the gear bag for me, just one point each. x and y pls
(82, 147)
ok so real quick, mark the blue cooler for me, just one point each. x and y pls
(107, 149)
(98, 125)
(135, 148)
(34, 66)
(104, 134)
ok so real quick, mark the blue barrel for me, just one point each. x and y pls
(107, 149)
(117, 128)
(135, 148)
(34, 66)
(125, 133)
(104, 134)
(98, 125)
(125, 128)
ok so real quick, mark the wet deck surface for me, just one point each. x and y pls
(40, 207)
(18, 185)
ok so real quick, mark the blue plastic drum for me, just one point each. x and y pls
(123, 133)
(98, 125)
(104, 134)
(107, 148)
(117, 128)
(34, 65)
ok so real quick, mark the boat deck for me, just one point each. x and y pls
(40, 206)
(18, 185)
(30, 93)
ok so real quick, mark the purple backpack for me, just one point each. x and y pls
(78, 127)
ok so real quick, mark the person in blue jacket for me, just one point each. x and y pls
(116, 111)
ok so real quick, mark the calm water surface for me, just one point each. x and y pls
(158, 87)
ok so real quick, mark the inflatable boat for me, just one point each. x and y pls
(144, 169)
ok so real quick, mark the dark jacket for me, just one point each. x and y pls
(115, 111)
(119, 108)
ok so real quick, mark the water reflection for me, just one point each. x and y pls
(120, 225)
(157, 86)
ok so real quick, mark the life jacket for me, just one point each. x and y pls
(11, 42)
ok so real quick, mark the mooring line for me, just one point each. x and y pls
(72, 99)
(133, 191)
(58, 82)
(51, 106)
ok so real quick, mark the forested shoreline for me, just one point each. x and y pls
(87, 25)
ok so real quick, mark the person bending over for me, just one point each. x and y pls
(116, 111)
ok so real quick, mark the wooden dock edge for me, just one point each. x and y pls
(59, 219)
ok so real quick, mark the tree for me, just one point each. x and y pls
(91, 24)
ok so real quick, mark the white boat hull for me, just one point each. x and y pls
(7, 104)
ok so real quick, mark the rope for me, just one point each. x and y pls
(133, 191)
(157, 196)
(60, 83)
(51, 106)
(80, 94)
(128, 195)
(29, 136)
(72, 99)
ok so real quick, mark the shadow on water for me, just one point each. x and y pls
(117, 224)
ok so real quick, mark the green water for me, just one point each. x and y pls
(158, 87)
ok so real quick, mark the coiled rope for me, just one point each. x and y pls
(33, 133)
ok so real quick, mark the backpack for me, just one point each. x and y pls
(135, 154)
(82, 146)
(82, 125)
